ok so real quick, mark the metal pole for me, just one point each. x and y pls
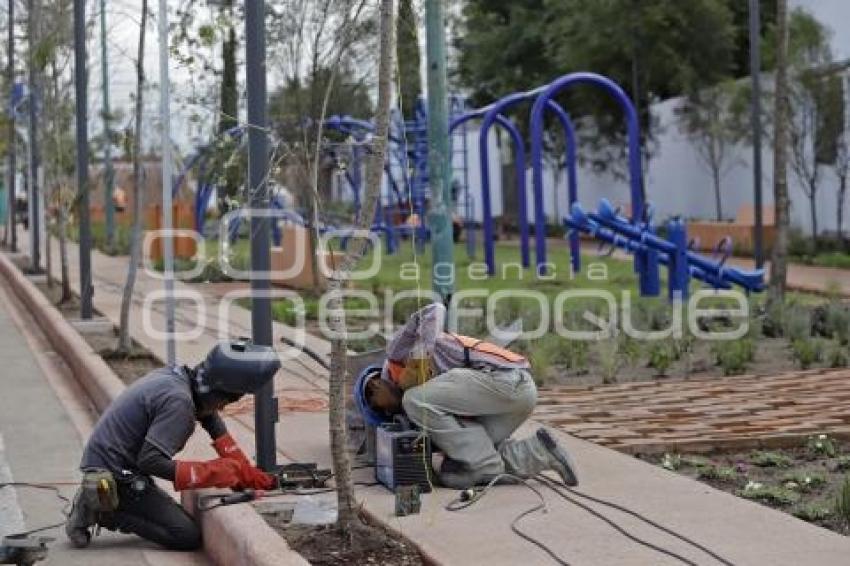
(755, 72)
(10, 76)
(439, 159)
(81, 84)
(33, 21)
(167, 180)
(108, 175)
(265, 415)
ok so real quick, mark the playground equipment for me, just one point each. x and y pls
(636, 235)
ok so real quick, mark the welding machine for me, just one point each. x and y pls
(403, 457)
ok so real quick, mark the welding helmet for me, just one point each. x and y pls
(372, 416)
(236, 368)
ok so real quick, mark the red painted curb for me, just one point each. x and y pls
(233, 536)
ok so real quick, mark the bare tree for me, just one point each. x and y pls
(841, 167)
(348, 518)
(714, 122)
(779, 255)
(802, 129)
(124, 342)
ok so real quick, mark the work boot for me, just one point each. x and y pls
(78, 522)
(560, 461)
(530, 456)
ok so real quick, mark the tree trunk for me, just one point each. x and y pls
(814, 213)
(124, 342)
(842, 190)
(718, 205)
(779, 256)
(348, 518)
(61, 210)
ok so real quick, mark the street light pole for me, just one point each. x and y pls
(167, 180)
(10, 76)
(108, 175)
(755, 72)
(265, 415)
(81, 84)
(439, 158)
(33, 21)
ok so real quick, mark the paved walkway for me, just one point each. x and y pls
(42, 427)
(703, 414)
(743, 532)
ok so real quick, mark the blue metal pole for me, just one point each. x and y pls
(633, 131)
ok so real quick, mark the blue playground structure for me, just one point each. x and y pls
(635, 235)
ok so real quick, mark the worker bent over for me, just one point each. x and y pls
(141, 431)
(469, 396)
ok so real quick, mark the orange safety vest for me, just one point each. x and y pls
(395, 368)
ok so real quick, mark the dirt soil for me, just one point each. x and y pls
(128, 368)
(811, 482)
(326, 546)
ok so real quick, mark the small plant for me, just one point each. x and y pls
(836, 356)
(671, 462)
(734, 356)
(842, 501)
(724, 474)
(771, 494)
(838, 323)
(821, 446)
(797, 323)
(661, 357)
(803, 481)
(630, 350)
(766, 459)
(695, 461)
(610, 359)
(807, 352)
(812, 512)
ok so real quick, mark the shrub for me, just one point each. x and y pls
(671, 462)
(724, 474)
(766, 459)
(821, 445)
(842, 501)
(842, 464)
(771, 494)
(838, 323)
(807, 352)
(803, 481)
(610, 359)
(661, 356)
(812, 512)
(733, 356)
(796, 323)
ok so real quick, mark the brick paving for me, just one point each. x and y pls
(700, 415)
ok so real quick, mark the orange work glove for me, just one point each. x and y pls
(221, 472)
(252, 477)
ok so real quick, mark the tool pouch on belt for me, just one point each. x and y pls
(100, 491)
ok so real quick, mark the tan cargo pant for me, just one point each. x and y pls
(470, 415)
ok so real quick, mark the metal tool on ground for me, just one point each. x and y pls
(23, 549)
(301, 476)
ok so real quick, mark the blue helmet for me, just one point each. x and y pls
(370, 415)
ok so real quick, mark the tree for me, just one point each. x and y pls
(509, 47)
(124, 342)
(782, 204)
(408, 58)
(812, 96)
(348, 520)
(715, 120)
(841, 167)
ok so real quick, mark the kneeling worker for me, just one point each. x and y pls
(469, 396)
(138, 435)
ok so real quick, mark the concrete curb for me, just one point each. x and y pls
(234, 535)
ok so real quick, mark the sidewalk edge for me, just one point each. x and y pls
(234, 535)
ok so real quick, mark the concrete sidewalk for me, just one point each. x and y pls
(41, 438)
(741, 531)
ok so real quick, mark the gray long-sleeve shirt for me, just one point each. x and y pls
(424, 332)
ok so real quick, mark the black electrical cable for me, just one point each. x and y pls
(556, 487)
(65, 508)
(309, 351)
(470, 497)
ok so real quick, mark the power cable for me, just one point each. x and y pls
(471, 496)
(557, 488)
